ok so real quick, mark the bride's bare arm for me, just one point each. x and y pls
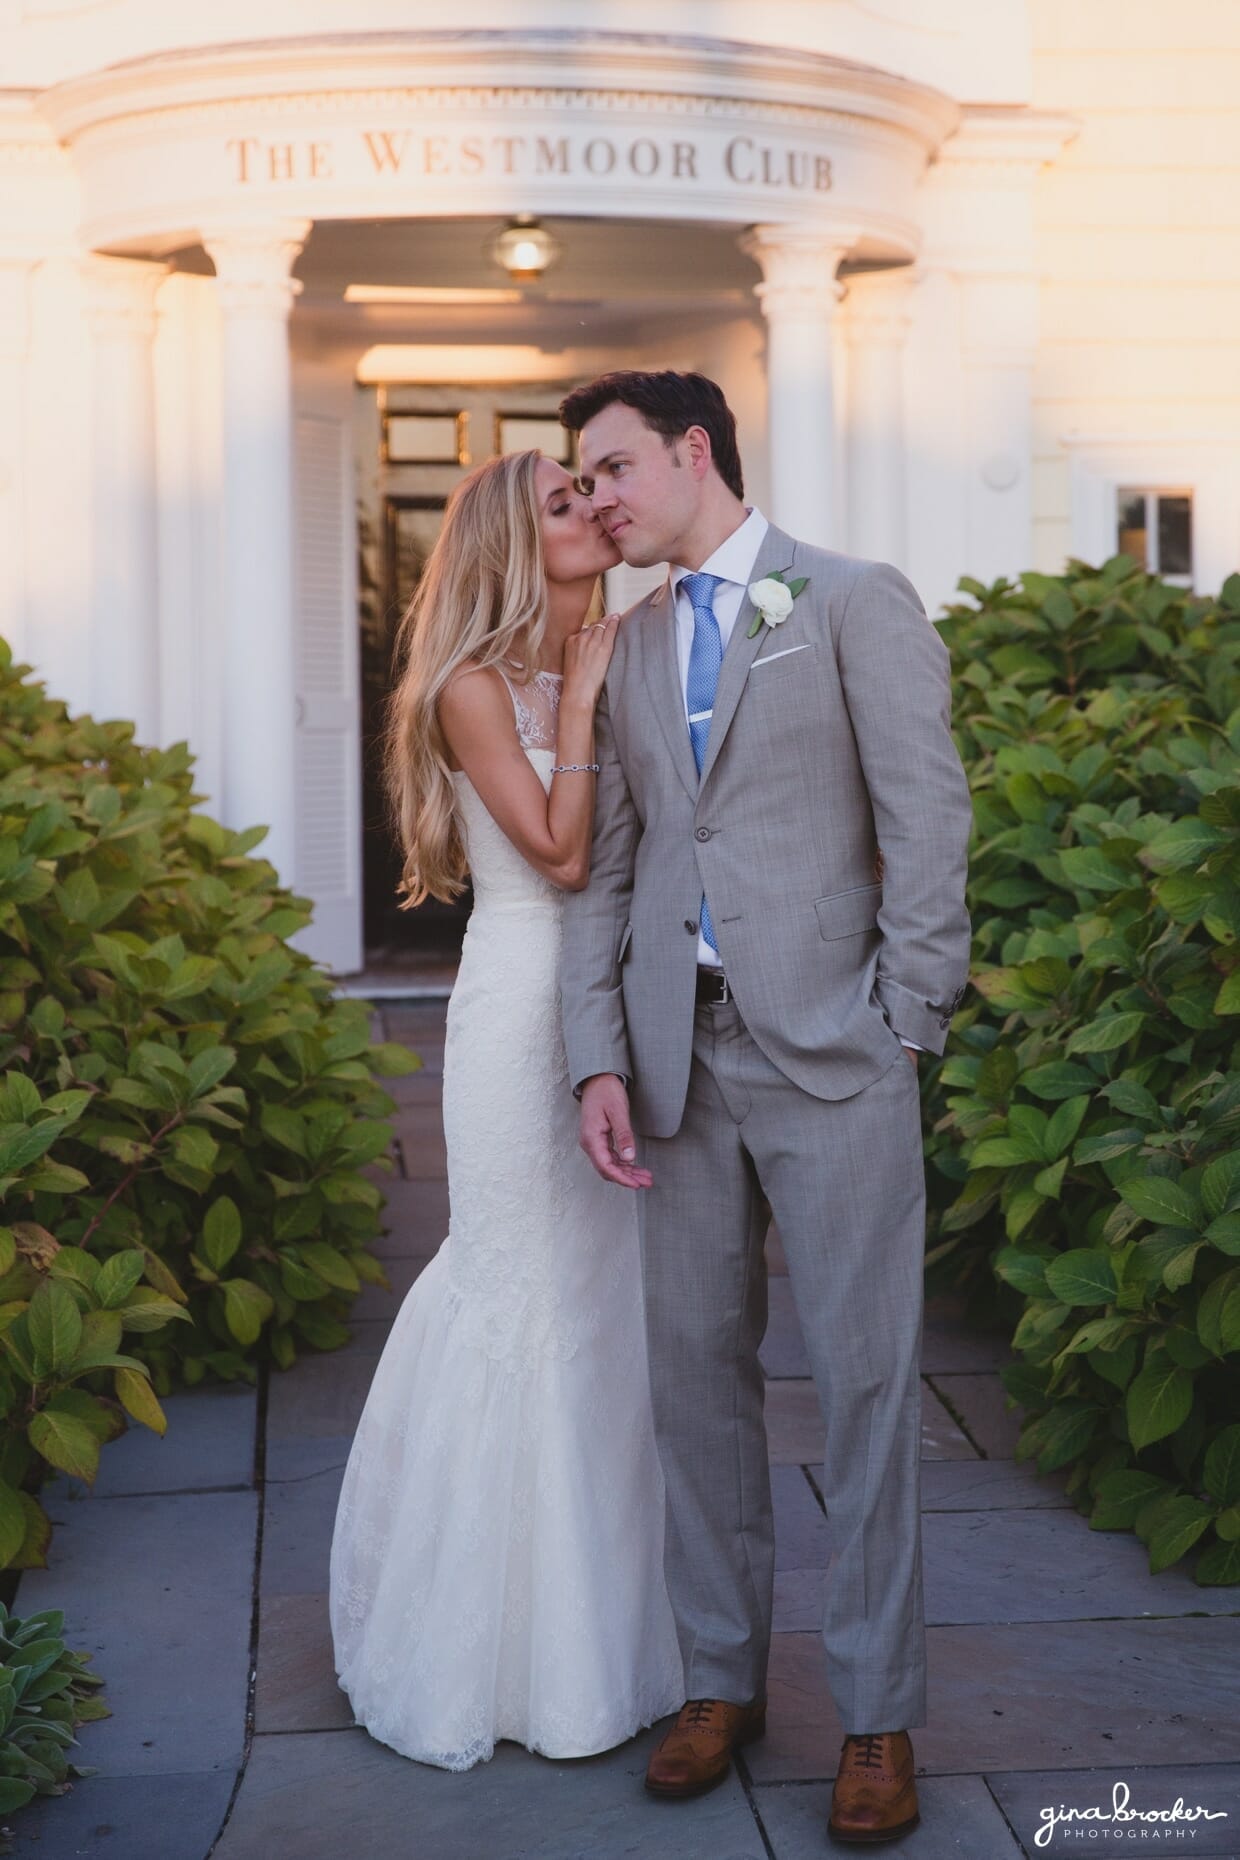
(551, 831)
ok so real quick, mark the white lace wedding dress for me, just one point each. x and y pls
(496, 1567)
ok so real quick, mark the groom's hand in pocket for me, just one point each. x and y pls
(607, 1132)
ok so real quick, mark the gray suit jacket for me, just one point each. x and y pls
(830, 740)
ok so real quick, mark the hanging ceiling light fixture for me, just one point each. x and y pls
(525, 249)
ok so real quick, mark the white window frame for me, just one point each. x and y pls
(1151, 493)
(1203, 466)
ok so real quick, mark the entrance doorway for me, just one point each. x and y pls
(413, 446)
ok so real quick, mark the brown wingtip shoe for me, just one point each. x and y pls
(696, 1754)
(875, 1794)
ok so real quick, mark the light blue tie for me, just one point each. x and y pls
(705, 658)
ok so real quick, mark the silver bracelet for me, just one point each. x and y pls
(576, 768)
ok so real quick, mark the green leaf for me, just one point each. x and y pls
(1004, 1152)
(1221, 1183)
(1025, 1271)
(1106, 1034)
(1184, 844)
(138, 1398)
(1155, 1198)
(1224, 1233)
(1064, 1125)
(1059, 1079)
(1089, 868)
(1221, 1471)
(12, 1524)
(1157, 1403)
(1083, 1276)
(14, 1794)
(330, 1265)
(1060, 1435)
(1218, 1312)
(207, 1068)
(246, 1309)
(66, 1443)
(1219, 1565)
(390, 1060)
(54, 1324)
(221, 1232)
(118, 1276)
(1180, 1524)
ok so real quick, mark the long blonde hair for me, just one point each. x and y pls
(482, 598)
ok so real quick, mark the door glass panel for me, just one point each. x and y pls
(1131, 538)
(1175, 535)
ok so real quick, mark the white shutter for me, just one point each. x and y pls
(329, 819)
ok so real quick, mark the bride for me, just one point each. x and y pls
(497, 1561)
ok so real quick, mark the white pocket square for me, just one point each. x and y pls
(770, 657)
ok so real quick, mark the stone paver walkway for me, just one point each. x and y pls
(197, 1572)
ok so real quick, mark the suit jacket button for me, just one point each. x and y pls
(701, 833)
(690, 926)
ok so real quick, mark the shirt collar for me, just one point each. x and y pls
(733, 560)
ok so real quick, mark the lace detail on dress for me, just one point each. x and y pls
(497, 1562)
(537, 707)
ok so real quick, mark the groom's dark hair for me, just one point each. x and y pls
(669, 404)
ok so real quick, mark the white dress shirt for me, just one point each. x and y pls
(733, 561)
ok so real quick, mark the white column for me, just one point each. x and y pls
(125, 604)
(14, 344)
(256, 295)
(877, 320)
(798, 294)
(1000, 319)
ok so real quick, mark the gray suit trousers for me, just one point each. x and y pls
(846, 1184)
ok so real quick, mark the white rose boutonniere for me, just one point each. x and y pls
(773, 598)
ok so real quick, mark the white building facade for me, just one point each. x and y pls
(968, 270)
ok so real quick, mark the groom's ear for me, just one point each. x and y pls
(698, 451)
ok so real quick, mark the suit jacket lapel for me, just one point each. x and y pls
(778, 551)
(662, 673)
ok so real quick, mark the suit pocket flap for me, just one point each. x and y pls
(624, 943)
(847, 913)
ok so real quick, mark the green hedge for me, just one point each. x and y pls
(1085, 1122)
(185, 1110)
(45, 1694)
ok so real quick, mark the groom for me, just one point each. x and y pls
(774, 925)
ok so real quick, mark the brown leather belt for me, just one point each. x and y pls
(712, 987)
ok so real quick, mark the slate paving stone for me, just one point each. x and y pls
(313, 1795)
(941, 1438)
(367, 1337)
(296, 1688)
(295, 1458)
(1047, 1565)
(298, 1517)
(959, 1821)
(416, 1218)
(801, 1536)
(159, 1590)
(419, 1145)
(1038, 1695)
(322, 1394)
(979, 1400)
(948, 1343)
(1154, 1790)
(125, 1818)
(797, 1437)
(802, 1544)
(209, 1445)
(989, 1485)
(783, 1348)
(378, 1301)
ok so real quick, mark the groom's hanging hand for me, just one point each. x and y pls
(607, 1132)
